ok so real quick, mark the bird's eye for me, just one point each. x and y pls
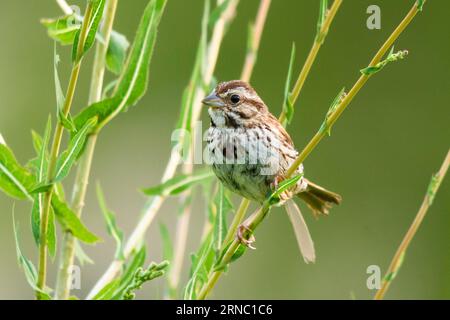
(235, 98)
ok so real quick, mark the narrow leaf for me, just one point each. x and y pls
(107, 291)
(92, 27)
(68, 157)
(117, 52)
(288, 106)
(62, 29)
(15, 180)
(70, 221)
(218, 12)
(26, 264)
(111, 224)
(178, 184)
(167, 242)
(58, 89)
(51, 234)
(41, 145)
(223, 206)
(81, 256)
(130, 270)
(282, 187)
(134, 78)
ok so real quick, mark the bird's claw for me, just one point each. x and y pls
(245, 236)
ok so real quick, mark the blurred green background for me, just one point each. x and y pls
(380, 156)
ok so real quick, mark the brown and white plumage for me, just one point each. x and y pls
(250, 151)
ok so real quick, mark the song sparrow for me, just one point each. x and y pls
(250, 151)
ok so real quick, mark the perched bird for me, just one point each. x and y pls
(250, 152)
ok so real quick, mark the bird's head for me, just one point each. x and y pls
(233, 104)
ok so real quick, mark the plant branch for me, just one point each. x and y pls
(331, 118)
(83, 172)
(397, 260)
(318, 41)
(153, 206)
(54, 156)
(255, 39)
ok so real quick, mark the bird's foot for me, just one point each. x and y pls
(245, 236)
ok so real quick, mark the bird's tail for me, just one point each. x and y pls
(304, 240)
(318, 199)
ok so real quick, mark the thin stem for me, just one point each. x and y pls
(54, 156)
(318, 41)
(84, 169)
(153, 206)
(65, 7)
(426, 203)
(259, 217)
(257, 28)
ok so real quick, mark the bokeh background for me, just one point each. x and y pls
(380, 157)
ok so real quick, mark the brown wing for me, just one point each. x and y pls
(275, 124)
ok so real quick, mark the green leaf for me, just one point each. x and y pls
(238, 253)
(392, 57)
(41, 188)
(130, 270)
(67, 121)
(202, 263)
(111, 224)
(62, 29)
(420, 4)
(36, 218)
(15, 180)
(432, 188)
(218, 12)
(322, 15)
(223, 206)
(178, 184)
(92, 27)
(134, 78)
(51, 234)
(82, 257)
(70, 221)
(167, 242)
(285, 185)
(107, 292)
(94, 23)
(58, 89)
(37, 141)
(117, 52)
(336, 102)
(288, 106)
(76, 144)
(41, 146)
(26, 264)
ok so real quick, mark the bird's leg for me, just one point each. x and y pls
(244, 234)
(275, 182)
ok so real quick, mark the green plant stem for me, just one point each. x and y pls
(322, 132)
(54, 157)
(426, 203)
(153, 206)
(83, 171)
(318, 41)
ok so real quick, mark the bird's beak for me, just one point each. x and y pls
(213, 101)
